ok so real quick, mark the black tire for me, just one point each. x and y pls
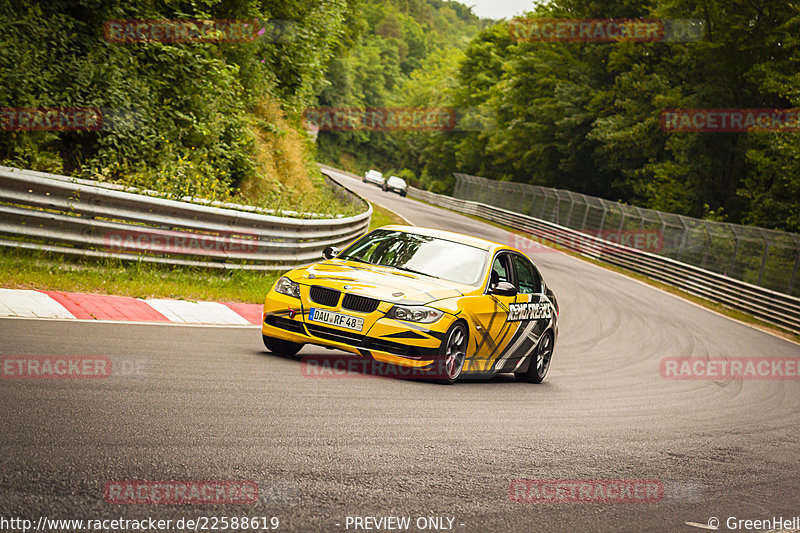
(540, 362)
(453, 353)
(281, 347)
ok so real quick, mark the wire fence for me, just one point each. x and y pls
(763, 257)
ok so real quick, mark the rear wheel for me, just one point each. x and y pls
(453, 353)
(281, 347)
(538, 367)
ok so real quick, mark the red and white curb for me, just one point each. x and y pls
(78, 306)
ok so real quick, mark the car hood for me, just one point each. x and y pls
(383, 283)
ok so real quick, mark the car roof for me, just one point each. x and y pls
(477, 242)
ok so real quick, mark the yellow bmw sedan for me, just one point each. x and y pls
(444, 304)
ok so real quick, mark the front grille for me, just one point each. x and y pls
(360, 341)
(362, 304)
(353, 339)
(324, 295)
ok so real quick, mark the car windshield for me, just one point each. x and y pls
(421, 254)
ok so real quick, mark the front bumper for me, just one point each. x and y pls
(385, 339)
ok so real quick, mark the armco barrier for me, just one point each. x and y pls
(93, 219)
(759, 256)
(767, 305)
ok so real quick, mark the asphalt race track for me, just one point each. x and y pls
(206, 403)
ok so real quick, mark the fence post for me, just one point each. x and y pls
(706, 243)
(735, 251)
(764, 258)
(603, 218)
(571, 207)
(663, 250)
(544, 205)
(684, 238)
(585, 215)
(794, 271)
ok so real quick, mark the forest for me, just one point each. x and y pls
(586, 116)
(225, 118)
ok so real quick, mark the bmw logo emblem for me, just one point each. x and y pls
(348, 287)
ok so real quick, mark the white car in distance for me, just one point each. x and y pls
(373, 176)
(396, 184)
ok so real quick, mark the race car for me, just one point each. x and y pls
(434, 301)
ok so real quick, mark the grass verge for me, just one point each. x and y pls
(23, 269)
(384, 217)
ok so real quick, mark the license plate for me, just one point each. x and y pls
(336, 319)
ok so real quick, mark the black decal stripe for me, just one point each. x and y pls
(404, 335)
(435, 334)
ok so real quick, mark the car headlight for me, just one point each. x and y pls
(415, 313)
(288, 287)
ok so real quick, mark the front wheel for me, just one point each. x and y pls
(453, 353)
(538, 367)
(281, 347)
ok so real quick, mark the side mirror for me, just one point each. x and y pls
(504, 288)
(330, 252)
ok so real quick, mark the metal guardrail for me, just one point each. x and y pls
(768, 305)
(93, 219)
(760, 256)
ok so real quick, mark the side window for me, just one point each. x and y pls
(501, 270)
(528, 279)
